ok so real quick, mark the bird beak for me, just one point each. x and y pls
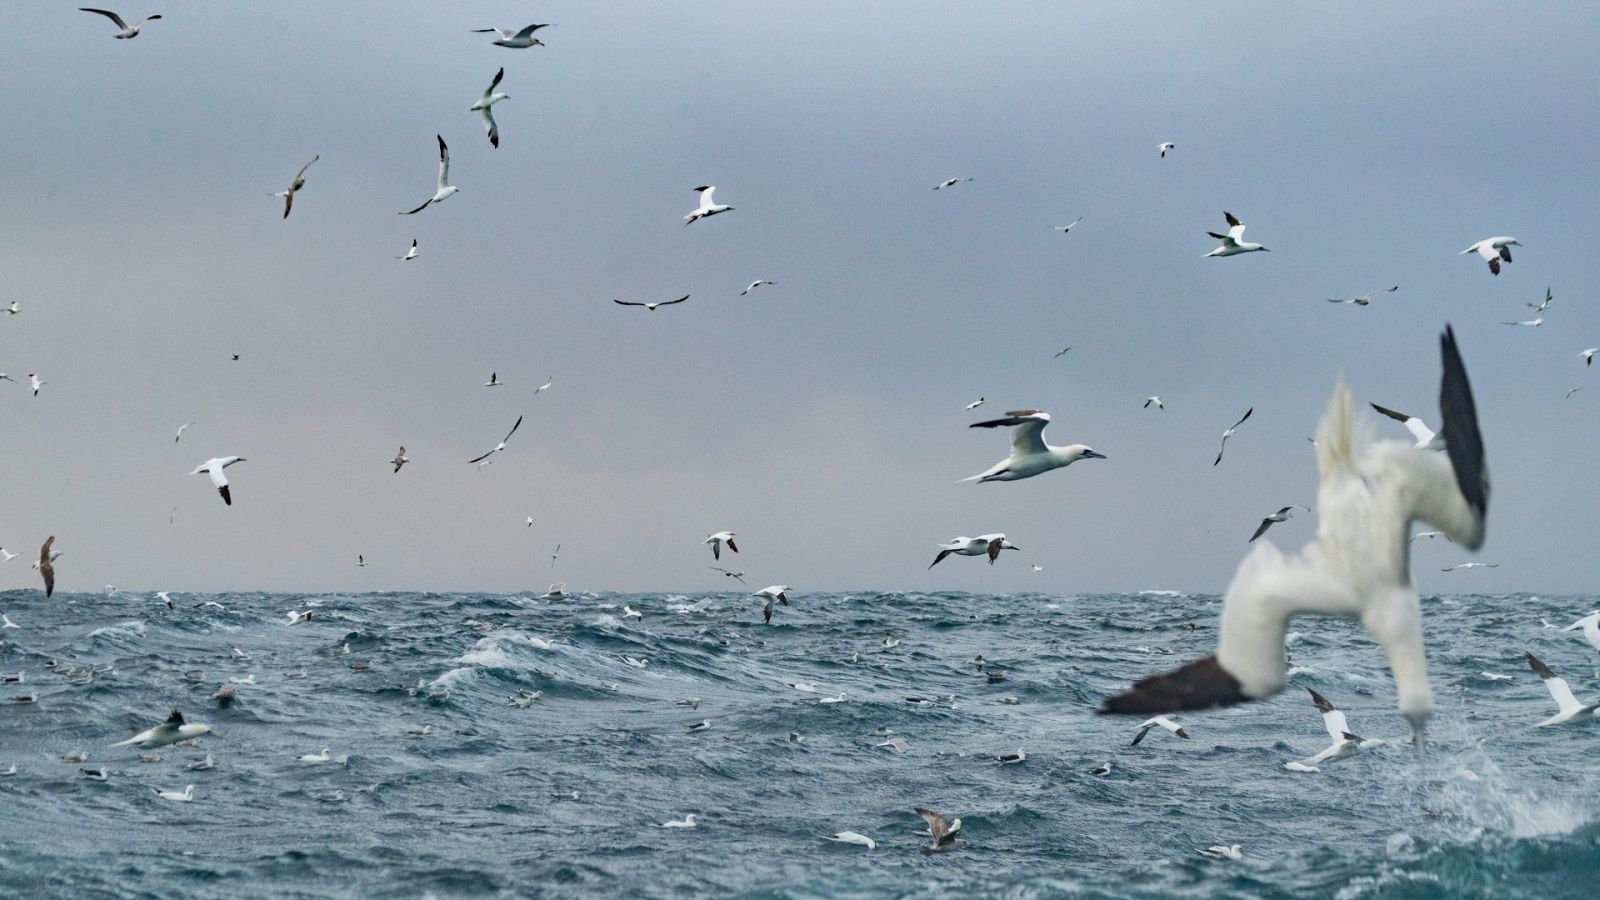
(1267, 249)
(1090, 454)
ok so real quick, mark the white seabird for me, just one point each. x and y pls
(1363, 299)
(1281, 515)
(949, 182)
(444, 189)
(1357, 566)
(701, 725)
(1233, 242)
(125, 31)
(1229, 433)
(410, 254)
(321, 757)
(1544, 304)
(8, 555)
(851, 837)
(706, 207)
(1153, 399)
(1493, 250)
(1164, 722)
(1163, 147)
(717, 540)
(687, 821)
(516, 40)
(1471, 565)
(214, 467)
(184, 796)
(1218, 851)
(973, 405)
(1426, 437)
(35, 383)
(494, 380)
(755, 284)
(5, 621)
(1591, 628)
(500, 446)
(778, 592)
(294, 186)
(983, 544)
(181, 429)
(1588, 355)
(1430, 535)
(1344, 743)
(483, 104)
(1568, 709)
(653, 306)
(167, 733)
(945, 834)
(1067, 229)
(200, 765)
(1030, 455)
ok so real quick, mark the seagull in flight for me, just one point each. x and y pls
(707, 207)
(295, 185)
(1344, 743)
(1568, 709)
(214, 467)
(1493, 250)
(1229, 433)
(494, 380)
(179, 436)
(650, 306)
(1030, 455)
(973, 405)
(547, 382)
(1281, 515)
(1158, 404)
(500, 446)
(717, 540)
(126, 31)
(1164, 146)
(983, 544)
(400, 459)
(1427, 438)
(1233, 242)
(1067, 229)
(1471, 565)
(1060, 353)
(736, 576)
(482, 104)
(755, 284)
(948, 182)
(1164, 722)
(412, 253)
(516, 40)
(1367, 496)
(1364, 299)
(445, 188)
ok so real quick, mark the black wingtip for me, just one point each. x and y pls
(1202, 684)
(1463, 442)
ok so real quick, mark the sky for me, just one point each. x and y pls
(820, 418)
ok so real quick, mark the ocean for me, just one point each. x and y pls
(562, 793)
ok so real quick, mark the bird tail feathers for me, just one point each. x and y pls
(1337, 435)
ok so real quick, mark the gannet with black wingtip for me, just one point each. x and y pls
(483, 104)
(1363, 299)
(650, 306)
(1568, 709)
(214, 467)
(1358, 565)
(1344, 744)
(717, 541)
(181, 429)
(167, 733)
(294, 186)
(125, 31)
(990, 544)
(1030, 455)
(755, 284)
(410, 254)
(1164, 146)
(1591, 628)
(1153, 400)
(1229, 433)
(444, 189)
(516, 40)
(1588, 355)
(1493, 250)
(500, 446)
(778, 592)
(707, 207)
(8, 555)
(35, 383)
(1233, 243)
(949, 182)
(494, 380)
(1427, 438)
(736, 576)
(973, 405)
(1164, 722)
(1281, 515)
(1223, 851)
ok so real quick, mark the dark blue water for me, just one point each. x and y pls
(562, 798)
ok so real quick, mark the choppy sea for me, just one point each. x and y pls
(562, 793)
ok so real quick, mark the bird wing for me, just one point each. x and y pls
(108, 14)
(288, 203)
(528, 32)
(489, 126)
(1235, 227)
(1332, 717)
(937, 826)
(1558, 688)
(940, 558)
(513, 430)
(219, 480)
(1505, 252)
(1483, 249)
(671, 302)
(1463, 441)
(626, 302)
(495, 83)
(301, 174)
(1262, 529)
(444, 163)
(412, 212)
(705, 195)
(1416, 426)
(483, 457)
(1242, 418)
(1027, 434)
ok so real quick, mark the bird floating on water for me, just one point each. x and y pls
(173, 730)
(852, 837)
(1030, 455)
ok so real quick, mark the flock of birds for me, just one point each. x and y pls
(1357, 566)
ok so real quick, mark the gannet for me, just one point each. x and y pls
(948, 182)
(736, 576)
(778, 592)
(706, 208)
(1426, 437)
(1430, 535)
(1153, 399)
(1218, 851)
(1588, 355)
(200, 765)
(1591, 628)
(851, 837)
(717, 540)
(1164, 722)
(294, 186)
(1060, 353)
(1471, 565)
(1544, 304)
(444, 189)
(755, 284)
(1568, 709)
(483, 104)
(126, 31)
(46, 570)
(516, 40)
(1493, 250)
(35, 383)
(558, 591)
(401, 459)
(181, 428)
(1164, 146)
(945, 834)
(321, 757)
(1067, 229)
(184, 796)
(1229, 433)
(1344, 743)
(628, 612)
(412, 253)
(214, 467)
(650, 306)
(167, 733)
(1357, 566)
(500, 446)
(973, 405)
(1233, 243)
(1281, 515)
(990, 544)
(1364, 299)
(1030, 455)
(687, 821)
(8, 555)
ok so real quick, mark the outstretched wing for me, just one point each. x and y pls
(1027, 435)
(626, 302)
(528, 32)
(444, 163)
(513, 430)
(1462, 440)
(489, 126)
(671, 302)
(1235, 227)
(1332, 717)
(1557, 686)
(108, 14)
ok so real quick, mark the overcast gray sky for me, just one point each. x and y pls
(820, 418)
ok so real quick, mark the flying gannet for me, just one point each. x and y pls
(401, 459)
(294, 186)
(650, 306)
(1493, 250)
(1164, 146)
(1233, 242)
(1590, 625)
(718, 540)
(778, 592)
(755, 284)
(990, 544)
(1363, 299)
(214, 467)
(1344, 744)
(949, 182)
(1427, 438)
(483, 104)
(410, 254)
(1164, 722)
(1357, 566)
(444, 189)
(500, 446)
(1030, 455)
(1229, 433)
(1281, 515)
(1568, 709)
(707, 207)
